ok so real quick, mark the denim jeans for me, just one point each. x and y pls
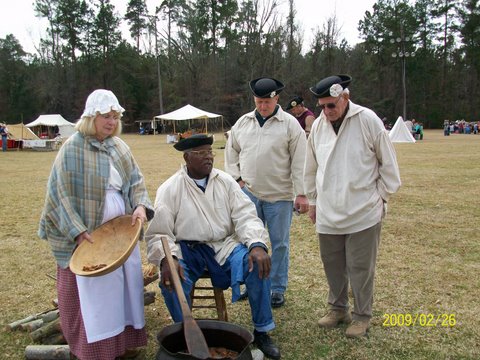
(237, 267)
(277, 216)
(4, 143)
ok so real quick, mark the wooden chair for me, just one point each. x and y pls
(202, 294)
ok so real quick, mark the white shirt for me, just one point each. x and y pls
(269, 159)
(222, 216)
(349, 176)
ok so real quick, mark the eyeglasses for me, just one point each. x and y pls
(329, 105)
(203, 153)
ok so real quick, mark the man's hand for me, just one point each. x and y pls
(312, 213)
(261, 257)
(166, 274)
(301, 204)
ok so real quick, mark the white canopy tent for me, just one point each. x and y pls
(188, 112)
(400, 132)
(65, 127)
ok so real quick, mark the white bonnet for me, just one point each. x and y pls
(102, 101)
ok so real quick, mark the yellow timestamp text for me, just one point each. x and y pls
(419, 319)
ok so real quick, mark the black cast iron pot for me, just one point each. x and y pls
(217, 334)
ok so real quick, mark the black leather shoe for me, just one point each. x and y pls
(266, 345)
(278, 300)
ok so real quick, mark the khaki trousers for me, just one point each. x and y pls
(351, 258)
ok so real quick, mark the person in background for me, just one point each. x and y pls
(304, 116)
(210, 223)
(95, 178)
(351, 171)
(416, 130)
(446, 128)
(4, 134)
(265, 154)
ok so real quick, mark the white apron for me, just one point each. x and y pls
(113, 301)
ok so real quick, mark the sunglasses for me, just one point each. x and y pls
(329, 105)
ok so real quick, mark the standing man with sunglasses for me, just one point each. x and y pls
(265, 153)
(351, 171)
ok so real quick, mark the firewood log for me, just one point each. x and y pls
(17, 324)
(32, 325)
(46, 330)
(40, 321)
(55, 339)
(41, 352)
(50, 316)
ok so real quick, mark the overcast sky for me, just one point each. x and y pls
(17, 18)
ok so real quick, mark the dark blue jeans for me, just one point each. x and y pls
(237, 266)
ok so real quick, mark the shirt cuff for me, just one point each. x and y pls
(258, 244)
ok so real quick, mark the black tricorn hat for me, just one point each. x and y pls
(322, 88)
(193, 142)
(294, 102)
(266, 87)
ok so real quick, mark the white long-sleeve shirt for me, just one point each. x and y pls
(349, 176)
(269, 159)
(222, 217)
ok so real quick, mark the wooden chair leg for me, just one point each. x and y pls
(221, 304)
(217, 296)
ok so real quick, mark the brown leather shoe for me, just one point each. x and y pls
(358, 329)
(335, 317)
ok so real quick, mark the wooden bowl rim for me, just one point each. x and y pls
(77, 268)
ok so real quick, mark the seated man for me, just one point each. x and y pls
(210, 223)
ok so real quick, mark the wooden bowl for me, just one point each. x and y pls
(113, 242)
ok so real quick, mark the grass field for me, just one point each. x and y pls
(428, 264)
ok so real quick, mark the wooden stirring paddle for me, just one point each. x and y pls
(196, 343)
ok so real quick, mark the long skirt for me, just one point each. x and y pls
(74, 330)
(113, 304)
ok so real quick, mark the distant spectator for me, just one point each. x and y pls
(416, 130)
(4, 133)
(446, 128)
(304, 115)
